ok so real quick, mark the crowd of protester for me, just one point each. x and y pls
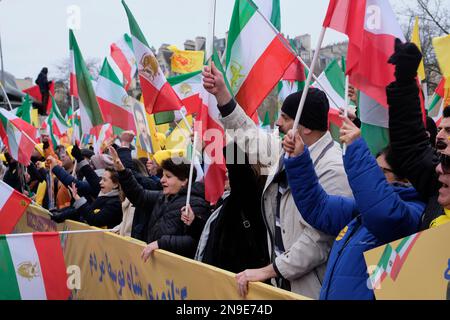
(303, 228)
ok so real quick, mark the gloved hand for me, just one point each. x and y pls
(406, 60)
(76, 153)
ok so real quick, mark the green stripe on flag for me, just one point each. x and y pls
(336, 77)
(134, 27)
(108, 73)
(9, 289)
(128, 40)
(164, 117)
(181, 78)
(276, 14)
(85, 90)
(377, 138)
(242, 13)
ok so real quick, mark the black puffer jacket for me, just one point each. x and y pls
(164, 214)
(412, 155)
(105, 211)
(238, 237)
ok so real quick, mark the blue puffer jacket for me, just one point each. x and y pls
(379, 213)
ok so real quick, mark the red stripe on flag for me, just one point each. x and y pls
(156, 101)
(53, 267)
(115, 115)
(12, 211)
(369, 70)
(193, 104)
(26, 148)
(73, 85)
(398, 266)
(295, 72)
(334, 118)
(264, 76)
(122, 62)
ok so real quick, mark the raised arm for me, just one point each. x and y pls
(412, 154)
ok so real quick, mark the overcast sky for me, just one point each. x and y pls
(34, 33)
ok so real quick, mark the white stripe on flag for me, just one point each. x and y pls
(5, 193)
(247, 49)
(28, 268)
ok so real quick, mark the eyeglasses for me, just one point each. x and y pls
(445, 163)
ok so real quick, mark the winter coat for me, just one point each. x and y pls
(378, 214)
(88, 189)
(164, 213)
(104, 212)
(411, 151)
(304, 261)
(236, 237)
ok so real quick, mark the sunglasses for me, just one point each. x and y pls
(445, 163)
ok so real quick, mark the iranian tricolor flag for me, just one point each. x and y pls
(90, 113)
(59, 124)
(254, 47)
(33, 267)
(112, 99)
(158, 95)
(12, 205)
(105, 133)
(188, 88)
(73, 90)
(123, 55)
(77, 133)
(437, 104)
(18, 136)
(213, 158)
(372, 27)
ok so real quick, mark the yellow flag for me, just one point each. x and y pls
(155, 143)
(185, 61)
(416, 40)
(442, 48)
(180, 136)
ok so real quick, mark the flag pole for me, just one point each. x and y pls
(6, 96)
(209, 46)
(425, 93)
(191, 169)
(308, 79)
(60, 232)
(344, 146)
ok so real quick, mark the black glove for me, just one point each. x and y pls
(406, 59)
(76, 153)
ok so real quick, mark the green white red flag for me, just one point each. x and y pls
(18, 136)
(372, 28)
(33, 267)
(12, 206)
(249, 57)
(159, 96)
(112, 99)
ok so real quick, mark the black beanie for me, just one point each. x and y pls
(315, 110)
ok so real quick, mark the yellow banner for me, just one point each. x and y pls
(186, 61)
(415, 268)
(111, 268)
(442, 48)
